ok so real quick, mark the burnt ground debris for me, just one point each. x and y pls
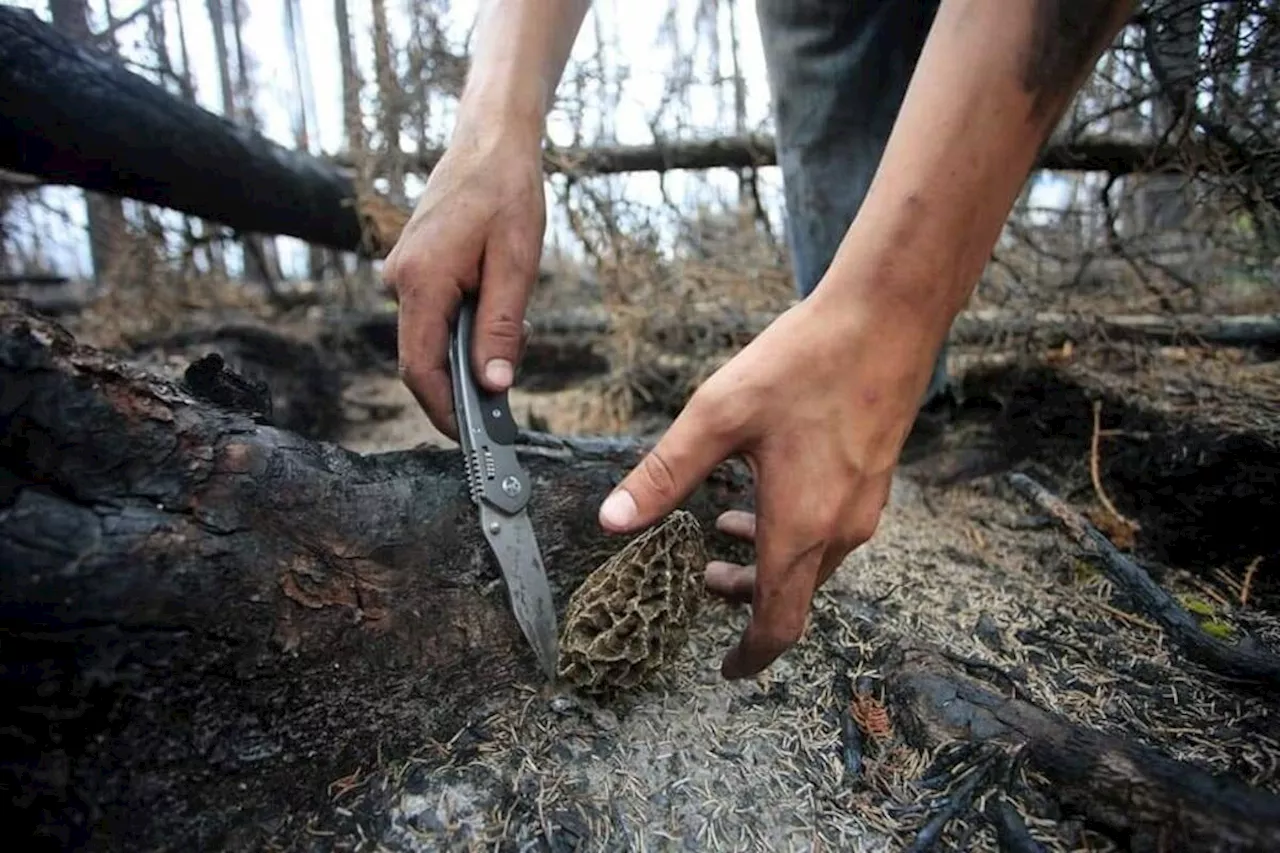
(1002, 608)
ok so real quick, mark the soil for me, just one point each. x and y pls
(960, 562)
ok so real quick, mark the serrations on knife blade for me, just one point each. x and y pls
(475, 485)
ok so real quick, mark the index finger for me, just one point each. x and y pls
(690, 449)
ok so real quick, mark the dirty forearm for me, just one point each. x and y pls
(522, 47)
(993, 80)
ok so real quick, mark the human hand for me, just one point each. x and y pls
(477, 227)
(819, 405)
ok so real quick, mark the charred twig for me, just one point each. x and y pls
(1150, 598)
(973, 664)
(940, 771)
(850, 737)
(960, 801)
(1011, 830)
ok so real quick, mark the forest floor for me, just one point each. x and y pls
(1180, 470)
(1190, 451)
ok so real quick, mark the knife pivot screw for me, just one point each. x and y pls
(511, 486)
(494, 527)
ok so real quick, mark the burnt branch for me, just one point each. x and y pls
(1133, 790)
(1152, 600)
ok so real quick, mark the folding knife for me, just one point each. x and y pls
(500, 487)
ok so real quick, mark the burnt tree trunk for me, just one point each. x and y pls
(208, 620)
(75, 115)
(107, 226)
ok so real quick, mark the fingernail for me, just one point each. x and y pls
(498, 372)
(618, 510)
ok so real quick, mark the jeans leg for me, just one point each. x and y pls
(838, 71)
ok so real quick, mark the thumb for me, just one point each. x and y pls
(667, 474)
(499, 325)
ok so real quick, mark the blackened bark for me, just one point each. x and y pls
(75, 115)
(1134, 790)
(208, 620)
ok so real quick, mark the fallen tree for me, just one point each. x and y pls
(73, 114)
(717, 326)
(1111, 156)
(208, 620)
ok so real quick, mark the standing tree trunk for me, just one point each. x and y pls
(206, 233)
(353, 125)
(105, 214)
(351, 120)
(1172, 46)
(254, 267)
(388, 105)
(304, 113)
(261, 262)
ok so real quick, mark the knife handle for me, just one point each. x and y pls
(495, 409)
(496, 412)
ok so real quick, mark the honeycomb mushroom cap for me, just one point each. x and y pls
(631, 616)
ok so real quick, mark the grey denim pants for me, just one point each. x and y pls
(838, 71)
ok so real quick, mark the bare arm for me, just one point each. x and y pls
(993, 80)
(479, 224)
(820, 403)
(521, 51)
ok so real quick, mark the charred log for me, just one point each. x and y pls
(207, 620)
(1239, 662)
(1137, 792)
(73, 114)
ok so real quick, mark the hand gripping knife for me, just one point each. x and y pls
(500, 487)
